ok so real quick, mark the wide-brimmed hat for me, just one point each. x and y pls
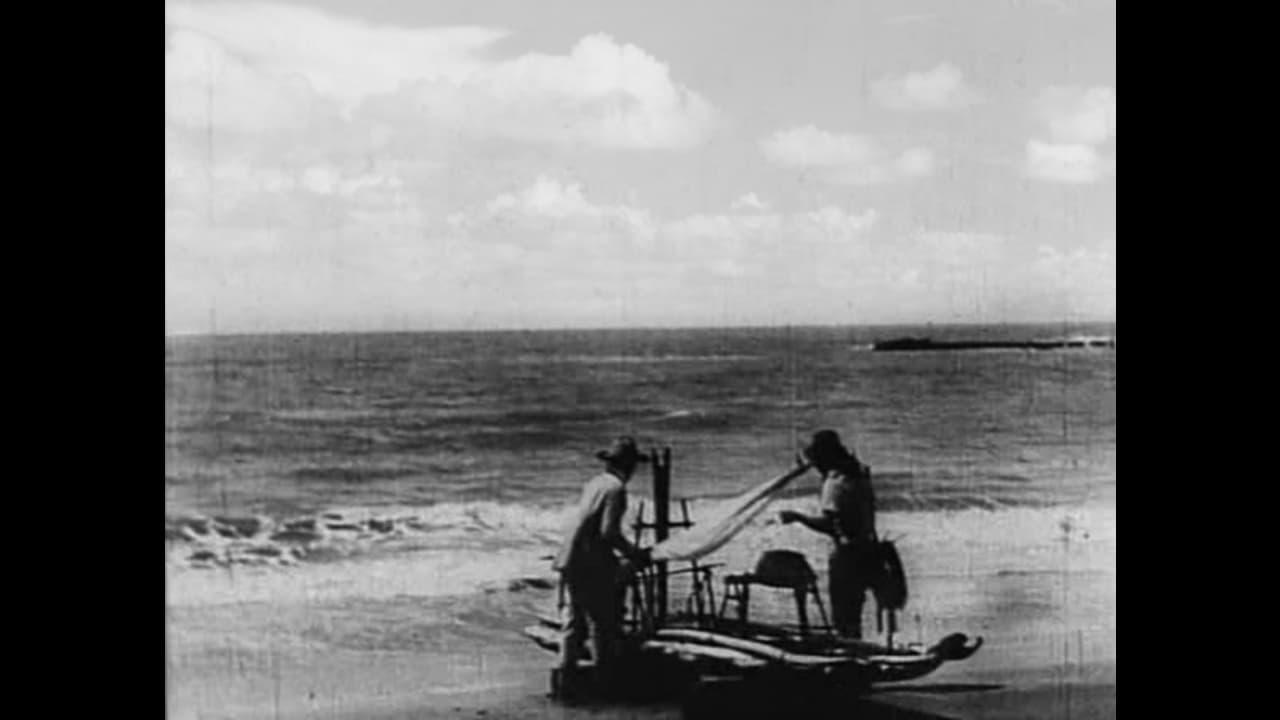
(826, 444)
(623, 449)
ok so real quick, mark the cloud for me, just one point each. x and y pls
(1075, 115)
(550, 252)
(603, 93)
(546, 197)
(326, 173)
(701, 227)
(1079, 122)
(808, 146)
(942, 88)
(321, 180)
(826, 223)
(552, 239)
(313, 161)
(840, 222)
(560, 232)
(548, 200)
(1077, 164)
(270, 67)
(848, 159)
(750, 201)
(338, 57)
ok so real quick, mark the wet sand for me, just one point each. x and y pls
(415, 658)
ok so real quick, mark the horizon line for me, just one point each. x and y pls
(617, 328)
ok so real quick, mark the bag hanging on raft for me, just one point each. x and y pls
(889, 586)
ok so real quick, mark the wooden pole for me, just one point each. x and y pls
(662, 522)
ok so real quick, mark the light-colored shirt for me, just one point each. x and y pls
(848, 496)
(588, 548)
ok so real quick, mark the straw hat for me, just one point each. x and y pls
(623, 450)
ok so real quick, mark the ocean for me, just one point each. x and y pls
(340, 470)
(293, 449)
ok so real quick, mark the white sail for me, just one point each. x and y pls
(723, 521)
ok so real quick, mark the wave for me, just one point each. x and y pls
(206, 542)
(352, 473)
(326, 415)
(629, 359)
(457, 549)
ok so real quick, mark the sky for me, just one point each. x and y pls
(335, 165)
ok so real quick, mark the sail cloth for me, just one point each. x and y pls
(723, 521)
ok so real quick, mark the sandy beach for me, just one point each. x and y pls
(508, 680)
(1050, 652)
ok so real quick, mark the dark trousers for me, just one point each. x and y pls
(850, 572)
(592, 612)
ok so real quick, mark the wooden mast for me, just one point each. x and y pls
(661, 522)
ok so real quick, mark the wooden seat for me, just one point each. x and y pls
(783, 569)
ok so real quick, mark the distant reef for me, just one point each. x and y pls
(923, 344)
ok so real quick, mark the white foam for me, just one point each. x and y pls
(465, 547)
(427, 573)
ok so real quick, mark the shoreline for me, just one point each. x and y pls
(367, 640)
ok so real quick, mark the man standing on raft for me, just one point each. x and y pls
(848, 515)
(590, 569)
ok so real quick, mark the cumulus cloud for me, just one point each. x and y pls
(557, 226)
(1075, 115)
(1079, 123)
(550, 200)
(942, 88)
(808, 146)
(849, 159)
(702, 227)
(835, 220)
(312, 160)
(270, 67)
(825, 223)
(546, 197)
(750, 201)
(325, 173)
(1079, 164)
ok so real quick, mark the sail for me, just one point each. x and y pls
(723, 521)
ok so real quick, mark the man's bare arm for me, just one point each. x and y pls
(824, 523)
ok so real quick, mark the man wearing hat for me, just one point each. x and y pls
(848, 515)
(589, 565)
